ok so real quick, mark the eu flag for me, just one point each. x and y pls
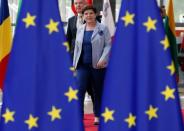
(140, 92)
(40, 92)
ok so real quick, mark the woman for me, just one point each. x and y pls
(91, 54)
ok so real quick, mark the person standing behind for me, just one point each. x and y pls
(163, 12)
(73, 23)
(91, 54)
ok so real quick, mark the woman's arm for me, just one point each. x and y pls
(106, 51)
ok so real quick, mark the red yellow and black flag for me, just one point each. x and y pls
(5, 38)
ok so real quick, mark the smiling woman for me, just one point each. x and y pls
(91, 55)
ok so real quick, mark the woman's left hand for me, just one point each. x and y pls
(101, 64)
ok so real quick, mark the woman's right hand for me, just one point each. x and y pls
(101, 64)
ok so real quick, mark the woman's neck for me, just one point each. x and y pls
(91, 24)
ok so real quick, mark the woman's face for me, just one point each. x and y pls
(89, 16)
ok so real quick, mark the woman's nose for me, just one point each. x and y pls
(88, 15)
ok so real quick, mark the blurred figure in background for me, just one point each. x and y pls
(74, 22)
(163, 11)
(168, 20)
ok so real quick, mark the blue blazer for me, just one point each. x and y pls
(101, 44)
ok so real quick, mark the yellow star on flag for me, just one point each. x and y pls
(130, 120)
(52, 26)
(128, 18)
(168, 93)
(73, 70)
(32, 122)
(150, 24)
(152, 112)
(108, 114)
(71, 94)
(8, 116)
(55, 113)
(171, 68)
(165, 43)
(29, 20)
(66, 44)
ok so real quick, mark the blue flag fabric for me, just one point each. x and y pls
(140, 92)
(39, 91)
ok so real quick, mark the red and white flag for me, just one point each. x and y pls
(73, 7)
(107, 18)
(89, 2)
